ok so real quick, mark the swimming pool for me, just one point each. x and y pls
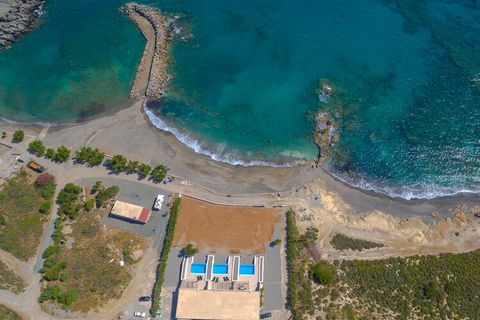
(247, 269)
(198, 268)
(220, 268)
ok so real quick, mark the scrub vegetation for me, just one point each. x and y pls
(9, 280)
(87, 264)
(443, 286)
(24, 202)
(342, 242)
(8, 314)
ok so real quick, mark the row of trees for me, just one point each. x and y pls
(162, 265)
(94, 157)
(119, 163)
(61, 154)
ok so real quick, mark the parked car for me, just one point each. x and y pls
(167, 180)
(157, 205)
(144, 298)
(139, 314)
(36, 167)
(266, 315)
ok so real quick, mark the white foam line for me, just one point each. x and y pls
(195, 145)
(418, 191)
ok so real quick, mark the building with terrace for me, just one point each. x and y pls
(216, 288)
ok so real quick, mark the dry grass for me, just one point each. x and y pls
(9, 280)
(93, 267)
(7, 314)
(22, 222)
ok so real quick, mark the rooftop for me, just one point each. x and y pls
(209, 304)
(130, 211)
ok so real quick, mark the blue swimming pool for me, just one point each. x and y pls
(198, 268)
(247, 269)
(220, 268)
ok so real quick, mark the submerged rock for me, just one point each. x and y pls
(326, 133)
(17, 17)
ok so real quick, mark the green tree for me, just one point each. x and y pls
(143, 170)
(69, 193)
(106, 194)
(96, 187)
(118, 163)
(49, 153)
(132, 166)
(189, 250)
(18, 136)
(45, 207)
(159, 173)
(89, 204)
(323, 273)
(36, 147)
(62, 154)
(93, 157)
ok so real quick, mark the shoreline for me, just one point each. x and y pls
(152, 73)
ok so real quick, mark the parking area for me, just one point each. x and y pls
(144, 196)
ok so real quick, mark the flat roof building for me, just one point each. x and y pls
(222, 304)
(130, 212)
(220, 291)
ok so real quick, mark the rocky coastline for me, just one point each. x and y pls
(153, 65)
(17, 17)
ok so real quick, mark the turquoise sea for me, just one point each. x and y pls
(406, 79)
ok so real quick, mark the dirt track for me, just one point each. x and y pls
(214, 228)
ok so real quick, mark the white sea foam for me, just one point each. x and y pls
(417, 191)
(410, 192)
(219, 154)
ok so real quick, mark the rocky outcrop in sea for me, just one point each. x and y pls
(17, 17)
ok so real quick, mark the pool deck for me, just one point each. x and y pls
(232, 280)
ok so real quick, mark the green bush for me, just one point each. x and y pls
(342, 242)
(51, 251)
(89, 204)
(18, 136)
(323, 273)
(45, 207)
(69, 193)
(36, 147)
(47, 191)
(189, 250)
(106, 194)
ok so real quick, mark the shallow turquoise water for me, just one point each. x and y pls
(405, 73)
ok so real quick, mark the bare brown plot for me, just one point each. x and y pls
(216, 228)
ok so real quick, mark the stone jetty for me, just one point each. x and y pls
(17, 17)
(152, 78)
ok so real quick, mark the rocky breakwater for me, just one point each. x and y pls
(326, 133)
(152, 78)
(17, 17)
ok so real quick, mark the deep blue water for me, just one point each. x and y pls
(406, 78)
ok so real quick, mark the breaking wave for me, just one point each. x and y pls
(417, 191)
(218, 155)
